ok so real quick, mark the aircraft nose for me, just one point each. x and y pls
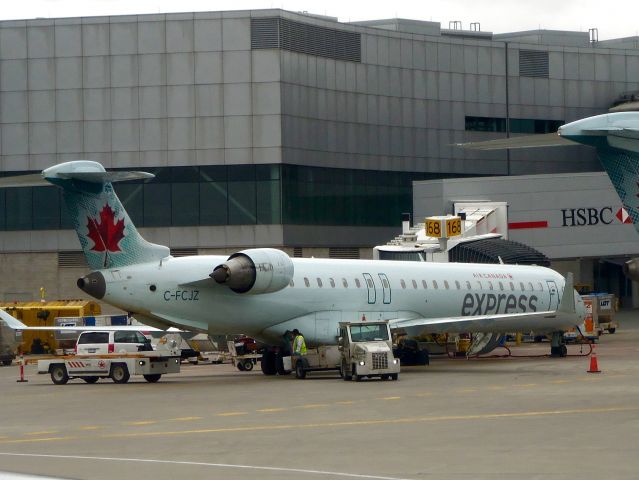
(93, 284)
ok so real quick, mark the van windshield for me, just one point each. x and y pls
(369, 333)
(93, 337)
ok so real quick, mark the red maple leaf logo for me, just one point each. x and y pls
(107, 234)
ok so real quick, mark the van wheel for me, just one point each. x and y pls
(248, 365)
(610, 330)
(59, 374)
(394, 376)
(6, 363)
(90, 379)
(240, 366)
(152, 377)
(120, 373)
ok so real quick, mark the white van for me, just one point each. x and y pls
(123, 341)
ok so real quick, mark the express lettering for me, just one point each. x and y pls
(182, 295)
(487, 303)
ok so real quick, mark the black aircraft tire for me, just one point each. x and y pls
(268, 363)
(279, 364)
(152, 377)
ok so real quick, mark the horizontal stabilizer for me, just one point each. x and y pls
(30, 180)
(105, 177)
(41, 179)
(528, 141)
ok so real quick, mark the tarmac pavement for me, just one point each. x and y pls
(527, 417)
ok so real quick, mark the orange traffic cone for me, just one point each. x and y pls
(594, 368)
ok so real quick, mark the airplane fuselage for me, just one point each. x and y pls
(324, 292)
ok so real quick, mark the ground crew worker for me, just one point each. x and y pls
(299, 345)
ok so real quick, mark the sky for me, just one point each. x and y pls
(612, 19)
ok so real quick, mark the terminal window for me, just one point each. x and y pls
(517, 125)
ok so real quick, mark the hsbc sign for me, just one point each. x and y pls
(581, 217)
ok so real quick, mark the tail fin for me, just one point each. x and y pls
(623, 169)
(107, 235)
(616, 138)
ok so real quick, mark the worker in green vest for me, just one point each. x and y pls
(299, 345)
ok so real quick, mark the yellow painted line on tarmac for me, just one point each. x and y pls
(345, 402)
(525, 385)
(352, 423)
(185, 419)
(45, 432)
(390, 398)
(38, 440)
(271, 410)
(355, 423)
(231, 414)
(315, 405)
(557, 382)
(90, 427)
(141, 423)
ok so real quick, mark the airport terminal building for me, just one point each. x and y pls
(272, 128)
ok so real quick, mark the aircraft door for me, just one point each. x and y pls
(326, 326)
(553, 293)
(386, 288)
(370, 285)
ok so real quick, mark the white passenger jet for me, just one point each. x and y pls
(615, 137)
(262, 292)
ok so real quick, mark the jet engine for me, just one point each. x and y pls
(631, 269)
(257, 270)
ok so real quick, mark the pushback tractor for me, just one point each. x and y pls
(364, 350)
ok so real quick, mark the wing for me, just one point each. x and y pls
(16, 324)
(528, 141)
(506, 322)
(564, 317)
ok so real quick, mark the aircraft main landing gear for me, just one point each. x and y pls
(558, 345)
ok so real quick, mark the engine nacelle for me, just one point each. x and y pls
(258, 270)
(631, 269)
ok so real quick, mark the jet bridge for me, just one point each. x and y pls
(483, 239)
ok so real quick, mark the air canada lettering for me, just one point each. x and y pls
(487, 303)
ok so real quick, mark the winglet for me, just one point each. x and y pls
(11, 322)
(567, 304)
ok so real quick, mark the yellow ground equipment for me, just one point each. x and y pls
(43, 314)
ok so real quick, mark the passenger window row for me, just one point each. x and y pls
(487, 284)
